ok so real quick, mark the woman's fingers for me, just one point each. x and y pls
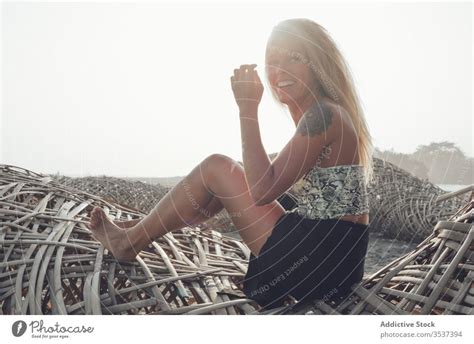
(247, 70)
(245, 73)
(248, 66)
(246, 85)
(237, 73)
(256, 77)
(240, 72)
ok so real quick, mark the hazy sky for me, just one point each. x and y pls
(143, 89)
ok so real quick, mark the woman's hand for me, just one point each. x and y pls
(247, 87)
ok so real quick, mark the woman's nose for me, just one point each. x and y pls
(276, 68)
(280, 72)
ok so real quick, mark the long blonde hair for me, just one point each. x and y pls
(333, 78)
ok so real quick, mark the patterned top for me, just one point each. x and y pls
(331, 192)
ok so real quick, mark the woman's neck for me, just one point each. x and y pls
(297, 110)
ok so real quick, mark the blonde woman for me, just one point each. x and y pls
(316, 250)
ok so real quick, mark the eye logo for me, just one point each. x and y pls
(19, 328)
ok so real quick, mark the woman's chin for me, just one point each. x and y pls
(285, 98)
(288, 97)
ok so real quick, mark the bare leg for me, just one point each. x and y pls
(126, 224)
(214, 207)
(217, 176)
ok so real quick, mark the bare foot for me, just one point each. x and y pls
(126, 224)
(111, 236)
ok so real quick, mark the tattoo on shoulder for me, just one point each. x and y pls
(316, 120)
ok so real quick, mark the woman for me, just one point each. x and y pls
(317, 250)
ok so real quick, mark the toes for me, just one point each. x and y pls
(100, 214)
(95, 217)
(93, 222)
(98, 217)
(95, 212)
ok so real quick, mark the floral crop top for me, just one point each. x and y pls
(331, 192)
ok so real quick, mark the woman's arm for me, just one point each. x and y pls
(318, 127)
(267, 179)
(257, 165)
(248, 90)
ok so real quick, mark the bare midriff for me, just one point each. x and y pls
(362, 219)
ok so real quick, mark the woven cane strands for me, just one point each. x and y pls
(133, 194)
(50, 264)
(405, 207)
(83, 272)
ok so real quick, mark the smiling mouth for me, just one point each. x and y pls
(284, 84)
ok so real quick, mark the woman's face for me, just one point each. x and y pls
(288, 70)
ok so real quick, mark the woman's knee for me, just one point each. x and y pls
(218, 164)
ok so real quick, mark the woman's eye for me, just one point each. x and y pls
(296, 58)
(291, 58)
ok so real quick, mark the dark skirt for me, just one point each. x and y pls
(307, 259)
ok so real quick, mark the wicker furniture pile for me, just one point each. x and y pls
(50, 264)
(405, 207)
(133, 194)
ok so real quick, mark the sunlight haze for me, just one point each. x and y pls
(130, 89)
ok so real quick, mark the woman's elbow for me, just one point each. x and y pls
(260, 200)
(260, 203)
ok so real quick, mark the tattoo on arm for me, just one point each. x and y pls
(316, 120)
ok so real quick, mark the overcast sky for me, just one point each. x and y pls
(143, 89)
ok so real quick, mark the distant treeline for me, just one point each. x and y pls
(439, 162)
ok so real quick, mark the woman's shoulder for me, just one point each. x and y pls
(335, 108)
(341, 115)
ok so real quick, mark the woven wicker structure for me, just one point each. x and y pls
(133, 194)
(405, 207)
(50, 264)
